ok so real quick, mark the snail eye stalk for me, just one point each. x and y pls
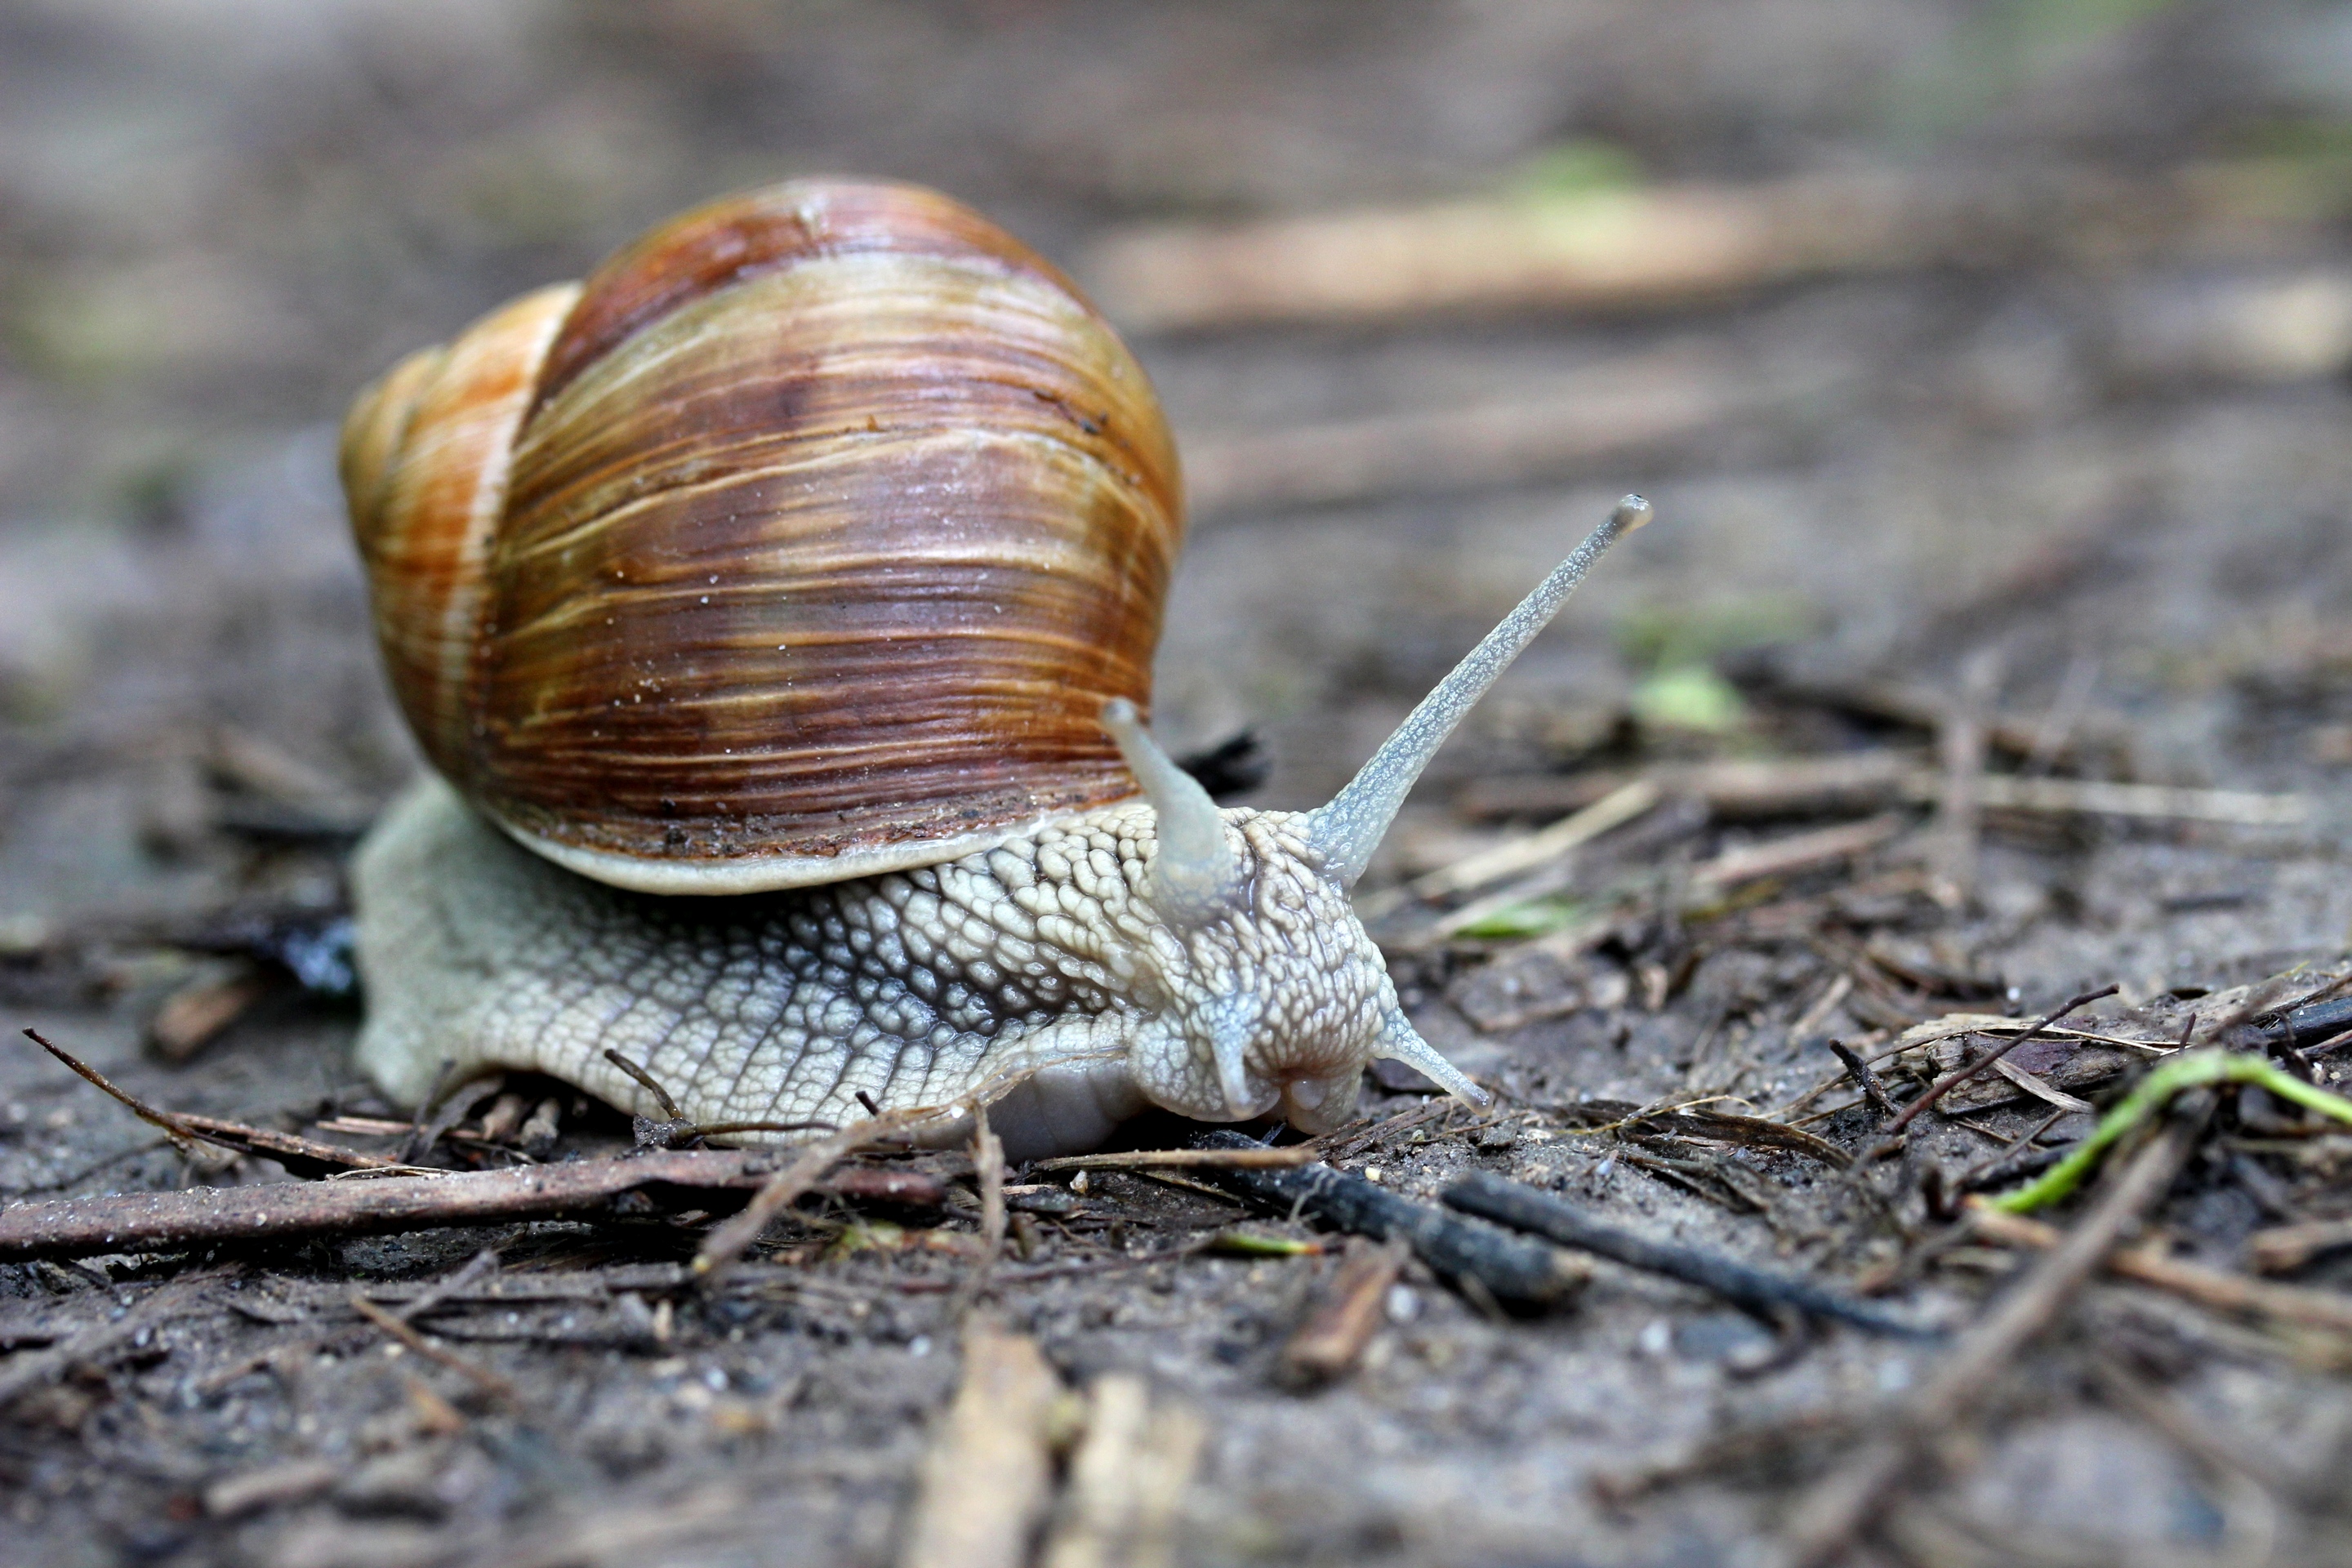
(1345, 831)
(1195, 877)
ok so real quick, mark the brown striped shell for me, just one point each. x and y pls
(805, 539)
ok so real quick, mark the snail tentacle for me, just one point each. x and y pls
(1400, 1042)
(1347, 829)
(1195, 878)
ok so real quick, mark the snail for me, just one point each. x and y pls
(776, 609)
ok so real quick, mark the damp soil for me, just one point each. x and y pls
(1962, 538)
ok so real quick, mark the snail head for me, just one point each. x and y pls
(1280, 996)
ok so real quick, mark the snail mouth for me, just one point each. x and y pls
(1317, 1105)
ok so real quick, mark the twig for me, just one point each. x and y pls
(476, 1270)
(2213, 1288)
(2190, 1069)
(1976, 1174)
(675, 1131)
(1859, 1070)
(651, 1084)
(728, 1241)
(1715, 1126)
(205, 1216)
(2091, 798)
(1844, 1501)
(2285, 1247)
(1527, 1208)
(1508, 1268)
(423, 1130)
(988, 1167)
(1254, 1158)
(1347, 1142)
(301, 1156)
(1959, 1076)
(399, 1329)
(1813, 786)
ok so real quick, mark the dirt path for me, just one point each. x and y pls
(2003, 530)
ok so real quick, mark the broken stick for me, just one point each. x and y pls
(286, 1211)
(1523, 1207)
(1506, 1266)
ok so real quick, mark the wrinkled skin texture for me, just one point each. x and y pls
(919, 988)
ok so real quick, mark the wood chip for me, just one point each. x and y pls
(986, 1481)
(2038, 1089)
(1128, 1480)
(1332, 1340)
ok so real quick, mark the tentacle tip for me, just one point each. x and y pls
(1632, 512)
(1119, 712)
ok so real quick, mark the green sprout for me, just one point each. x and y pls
(2190, 1069)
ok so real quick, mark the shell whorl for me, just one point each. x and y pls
(805, 539)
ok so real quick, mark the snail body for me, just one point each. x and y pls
(777, 609)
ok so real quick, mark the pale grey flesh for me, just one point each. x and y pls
(919, 988)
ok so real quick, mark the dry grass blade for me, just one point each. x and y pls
(1613, 810)
(1797, 852)
(1960, 1076)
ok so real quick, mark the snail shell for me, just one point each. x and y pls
(803, 540)
(811, 554)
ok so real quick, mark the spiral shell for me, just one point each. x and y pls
(805, 539)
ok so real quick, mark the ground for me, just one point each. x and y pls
(2084, 503)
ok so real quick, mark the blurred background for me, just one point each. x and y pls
(1927, 325)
